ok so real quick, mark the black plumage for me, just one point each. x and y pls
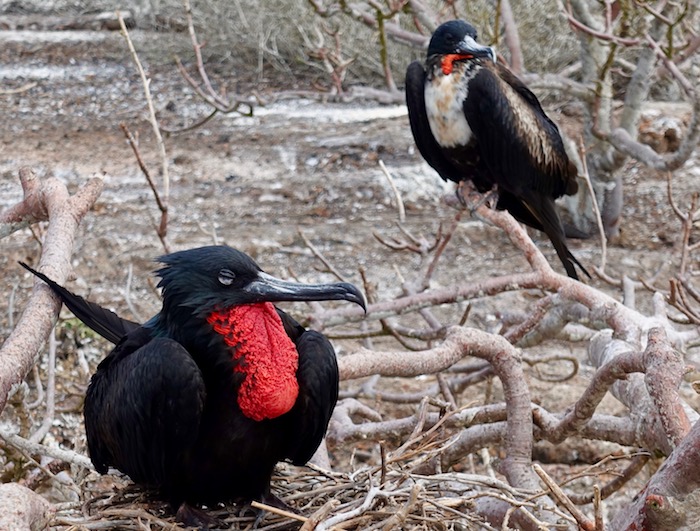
(472, 119)
(196, 402)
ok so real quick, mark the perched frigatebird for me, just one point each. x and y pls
(206, 397)
(473, 120)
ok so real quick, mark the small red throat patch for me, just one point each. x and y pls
(449, 59)
(266, 356)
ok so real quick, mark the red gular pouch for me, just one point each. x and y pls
(449, 59)
(265, 355)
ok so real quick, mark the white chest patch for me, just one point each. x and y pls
(443, 103)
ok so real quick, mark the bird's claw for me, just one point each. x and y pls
(192, 517)
(471, 199)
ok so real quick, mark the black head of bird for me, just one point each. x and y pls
(226, 289)
(217, 277)
(456, 40)
(206, 397)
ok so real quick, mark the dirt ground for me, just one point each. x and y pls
(256, 183)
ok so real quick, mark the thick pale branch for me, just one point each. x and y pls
(671, 498)
(653, 400)
(29, 210)
(64, 213)
(23, 510)
(512, 38)
(626, 322)
(623, 142)
(459, 342)
(665, 368)
(580, 414)
(344, 430)
(545, 81)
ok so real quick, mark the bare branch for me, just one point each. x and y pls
(46, 200)
(146, 82)
(563, 499)
(23, 510)
(670, 499)
(517, 62)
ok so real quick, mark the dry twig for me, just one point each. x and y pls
(161, 200)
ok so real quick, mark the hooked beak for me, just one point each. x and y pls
(468, 46)
(267, 288)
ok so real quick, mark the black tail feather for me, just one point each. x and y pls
(103, 321)
(541, 210)
(573, 259)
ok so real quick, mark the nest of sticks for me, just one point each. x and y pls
(398, 493)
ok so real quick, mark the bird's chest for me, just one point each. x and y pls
(264, 355)
(444, 100)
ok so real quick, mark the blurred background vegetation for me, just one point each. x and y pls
(283, 34)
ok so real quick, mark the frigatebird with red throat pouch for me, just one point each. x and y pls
(205, 398)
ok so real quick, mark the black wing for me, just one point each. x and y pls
(420, 126)
(518, 142)
(103, 321)
(143, 411)
(144, 404)
(525, 155)
(563, 167)
(318, 390)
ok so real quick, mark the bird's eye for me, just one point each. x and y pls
(226, 277)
